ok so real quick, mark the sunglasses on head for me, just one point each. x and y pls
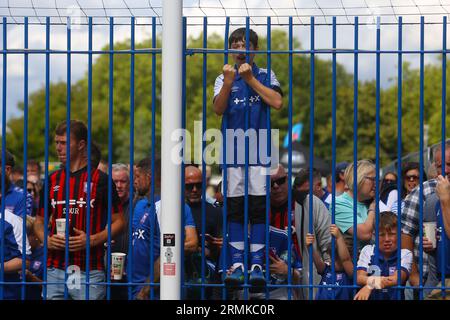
(412, 178)
(190, 186)
(279, 181)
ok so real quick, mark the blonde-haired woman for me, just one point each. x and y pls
(365, 193)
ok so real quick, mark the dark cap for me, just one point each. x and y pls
(341, 166)
(9, 158)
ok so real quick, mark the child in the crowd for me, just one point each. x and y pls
(343, 267)
(377, 275)
(35, 270)
(243, 93)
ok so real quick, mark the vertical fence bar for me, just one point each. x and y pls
(183, 126)
(443, 143)
(269, 153)
(204, 76)
(153, 154)
(110, 144)
(247, 121)
(333, 144)
(182, 184)
(311, 150)
(89, 164)
(422, 103)
(2, 219)
(290, 115)
(377, 141)
(399, 154)
(225, 171)
(355, 157)
(67, 174)
(25, 157)
(131, 190)
(46, 151)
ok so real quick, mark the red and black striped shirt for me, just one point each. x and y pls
(78, 212)
(279, 219)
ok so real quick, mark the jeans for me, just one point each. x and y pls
(76, 289)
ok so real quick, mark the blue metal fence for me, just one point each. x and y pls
(153, 52)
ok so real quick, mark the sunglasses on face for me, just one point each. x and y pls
(372, 179)
(279, 181)
(190, 186)
(389, 181)
(412, 178)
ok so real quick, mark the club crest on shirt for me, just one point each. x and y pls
(392, 270)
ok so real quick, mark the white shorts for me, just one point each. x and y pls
(256, 181)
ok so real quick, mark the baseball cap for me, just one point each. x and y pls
(9, 158)
(341, 166)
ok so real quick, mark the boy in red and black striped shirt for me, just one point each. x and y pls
(78, 203)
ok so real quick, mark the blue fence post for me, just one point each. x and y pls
(290, 113)
(377, 141)
(203, 227)
(246, 199)
(311, 151)
(269, 153)
(2, 219)
(131, 190)
(89, 165)
(333, 157)
(422, 103)
(47, 138)
(443, 142)
(225, 172)
(183, 180)
(67, 174)
(110, 144)
(355, 155)
(153, 153)
(25, 157)
(399, 153)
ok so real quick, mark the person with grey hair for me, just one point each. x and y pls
(121, 178)
(344, 206)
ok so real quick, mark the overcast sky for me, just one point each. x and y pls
(279, 10)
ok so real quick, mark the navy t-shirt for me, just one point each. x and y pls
(10, 251)
(36, 267)
(340, 293)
